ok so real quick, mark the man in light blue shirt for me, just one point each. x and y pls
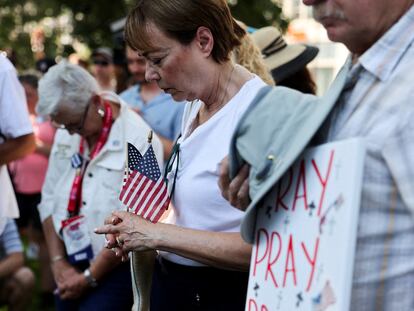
(157, 108)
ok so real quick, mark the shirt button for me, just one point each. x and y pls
(83, 202)
(90, 175)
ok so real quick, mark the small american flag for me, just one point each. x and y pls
(144, 191)
(134, 157)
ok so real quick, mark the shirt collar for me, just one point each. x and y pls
(382, 58)
(116, 136)
(159, 99)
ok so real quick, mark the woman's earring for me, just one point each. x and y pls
(101, 112)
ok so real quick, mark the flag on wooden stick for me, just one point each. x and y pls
(144, 191)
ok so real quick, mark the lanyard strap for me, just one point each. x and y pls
(75, 197)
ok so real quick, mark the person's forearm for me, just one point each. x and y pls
(54, 243)
(16, 148)
(11, 264)
(103, 263)
(167, 146)
(127, 232)
(219, 249)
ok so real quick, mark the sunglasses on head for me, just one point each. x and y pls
(100, 62)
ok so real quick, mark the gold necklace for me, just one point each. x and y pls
(196, 122)
(226, 88)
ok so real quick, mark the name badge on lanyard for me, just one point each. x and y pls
(74, 229)
(77, 240)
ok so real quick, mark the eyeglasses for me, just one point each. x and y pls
(101, 63)
(77, 127)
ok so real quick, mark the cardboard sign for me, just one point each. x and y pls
(305, 233)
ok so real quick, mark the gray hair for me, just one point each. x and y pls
(67, 85)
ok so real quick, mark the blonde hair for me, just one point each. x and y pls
(249, 56)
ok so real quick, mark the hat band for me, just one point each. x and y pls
(274, 47)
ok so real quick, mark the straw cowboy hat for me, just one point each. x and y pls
(282, 59)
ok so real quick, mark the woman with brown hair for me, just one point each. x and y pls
(202, 262)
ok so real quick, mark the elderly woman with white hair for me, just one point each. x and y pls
(82, 185)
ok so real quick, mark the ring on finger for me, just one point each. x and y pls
(119, 241)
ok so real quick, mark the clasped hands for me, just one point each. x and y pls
(71, 283)
(125, 232)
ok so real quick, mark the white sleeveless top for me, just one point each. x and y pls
(197, 200)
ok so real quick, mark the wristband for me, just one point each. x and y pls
(56, 258)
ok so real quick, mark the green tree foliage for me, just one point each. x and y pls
(258, 13)
(89, 22)
(93, 19)
(15, 17)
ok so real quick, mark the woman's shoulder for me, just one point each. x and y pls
(246, 94)
(133, 121)
(134, 126)
(253, 85)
